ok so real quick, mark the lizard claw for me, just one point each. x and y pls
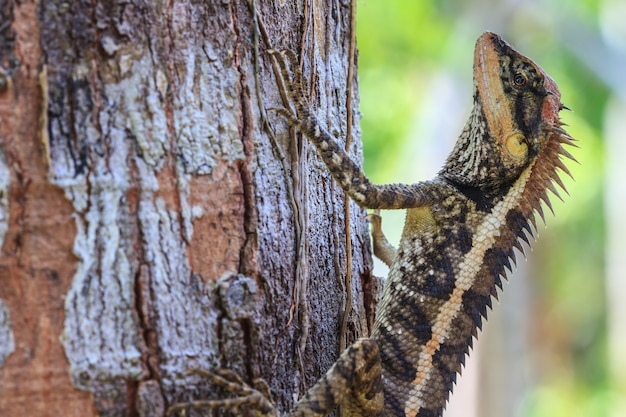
(375, 219)
(293, 120)
(255, 398)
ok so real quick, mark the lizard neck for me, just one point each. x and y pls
(478, 158)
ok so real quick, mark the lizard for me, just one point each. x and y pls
(460, 233)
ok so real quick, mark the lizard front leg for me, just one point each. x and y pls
(345, 171)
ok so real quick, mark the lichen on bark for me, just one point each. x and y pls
(5, 182)
(7, 342)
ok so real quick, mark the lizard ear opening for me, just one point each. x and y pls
(516, 146)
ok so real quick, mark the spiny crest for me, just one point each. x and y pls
(543, 177)
(545, 173)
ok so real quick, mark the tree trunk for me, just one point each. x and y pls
(153, 218)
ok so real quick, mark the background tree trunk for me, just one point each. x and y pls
(147, 222)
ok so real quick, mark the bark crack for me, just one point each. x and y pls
(248, 254)
(17, 195)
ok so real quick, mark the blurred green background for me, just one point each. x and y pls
(555, 345)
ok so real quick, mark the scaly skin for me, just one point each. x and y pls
(461, 227)
(460, 231)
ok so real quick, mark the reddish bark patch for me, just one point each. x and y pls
(218, 225)
(36, 259)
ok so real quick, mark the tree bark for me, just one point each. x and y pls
(153, 219)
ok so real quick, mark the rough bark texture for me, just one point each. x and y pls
(147, 224)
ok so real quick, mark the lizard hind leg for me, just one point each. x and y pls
(354, 383)
(383, 250)
(253, 398)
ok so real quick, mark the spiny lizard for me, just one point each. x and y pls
(460, 233)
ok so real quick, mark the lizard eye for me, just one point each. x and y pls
(519, 79)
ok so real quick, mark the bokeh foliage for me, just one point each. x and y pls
(415, 58)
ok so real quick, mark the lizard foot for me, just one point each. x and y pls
(256, 399)
(294, 81)
(376, 221)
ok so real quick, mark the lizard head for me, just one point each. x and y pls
(516, 106)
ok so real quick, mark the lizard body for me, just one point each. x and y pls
(461, 227)
(459, 235)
